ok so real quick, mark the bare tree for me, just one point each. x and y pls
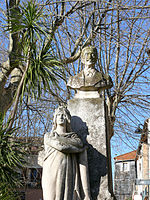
(119, 30)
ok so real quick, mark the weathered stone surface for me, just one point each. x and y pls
(88, 120)
(89, 79)
(124, 180)
(65, 171)
(86, 94)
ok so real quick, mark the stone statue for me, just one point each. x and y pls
(65, 167)
(89, 79)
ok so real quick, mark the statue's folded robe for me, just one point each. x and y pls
(61, 171)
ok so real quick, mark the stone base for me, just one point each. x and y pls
(88, 120)
(87, 94)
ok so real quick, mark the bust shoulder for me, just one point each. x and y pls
(90, 78)
(76, 81)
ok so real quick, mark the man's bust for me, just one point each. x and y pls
(89, 79)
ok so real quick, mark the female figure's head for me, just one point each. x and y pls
(62, 117)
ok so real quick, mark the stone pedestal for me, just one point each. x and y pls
(89, 121)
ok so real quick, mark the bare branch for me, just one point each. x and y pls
(118, 49)
(127, 83)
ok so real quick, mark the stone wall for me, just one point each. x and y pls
(124, 179)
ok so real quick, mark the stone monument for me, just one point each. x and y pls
(89, 121)
(89, 82)
(65, 168)
(76, 161)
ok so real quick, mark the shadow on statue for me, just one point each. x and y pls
(97, 162)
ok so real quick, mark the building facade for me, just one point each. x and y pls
(132, 170)
(143, 162)
(31, 173)
(125, 174)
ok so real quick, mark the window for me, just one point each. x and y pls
(34, 177)
(31, 177)
(125, 167)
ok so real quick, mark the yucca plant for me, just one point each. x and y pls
(44, 71)
(42, 68)
(11, 160)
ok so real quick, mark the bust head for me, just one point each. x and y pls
(89, 55)
(62, 115)
(89, 80)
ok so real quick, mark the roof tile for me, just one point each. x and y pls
(127, 156)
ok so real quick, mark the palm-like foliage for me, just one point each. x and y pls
(11, 159)
(43, 69)
(43, 72)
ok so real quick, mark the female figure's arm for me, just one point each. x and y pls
(64, 144)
